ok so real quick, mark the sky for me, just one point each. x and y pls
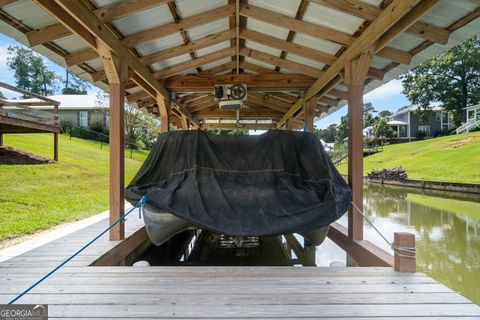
(6, 75)
(387, 97)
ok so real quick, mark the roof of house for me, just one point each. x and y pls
(475, 106)
(302, 39)
(414, 108)
(69, 102)
(396, 123)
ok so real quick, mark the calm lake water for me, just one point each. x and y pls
(447, 229)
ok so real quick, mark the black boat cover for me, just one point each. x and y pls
(280, 182)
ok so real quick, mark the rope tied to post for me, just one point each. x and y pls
(139, 206)
(398, 250)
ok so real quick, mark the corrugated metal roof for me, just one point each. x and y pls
(443, 15)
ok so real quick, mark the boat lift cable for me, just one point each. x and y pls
(139, 206)
(397, 249)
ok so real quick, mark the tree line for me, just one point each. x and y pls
(31, 73)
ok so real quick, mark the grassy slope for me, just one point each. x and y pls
(468, 208)
(453, 158)
(36, 197)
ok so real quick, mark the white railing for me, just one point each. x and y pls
(470, 124)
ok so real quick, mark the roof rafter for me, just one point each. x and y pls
(171, 28)
(393, 20)
(105, 14)
(293, 24)
(370, 12)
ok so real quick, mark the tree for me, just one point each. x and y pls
(382, 130)
(328, 134)
(452, 79)
(141, 129)
(368, 114)
(384, 114)
(2, 96)
(72, 84)
(231, 132)
(30, 71)
(342, 131)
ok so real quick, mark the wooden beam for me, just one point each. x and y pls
(290, 23)
(78, 18)
(188, 65)
(256, 68)
(208, 40)
(302, 8)
(310, 107)
(395, 55)
(290, 47)
(220, 68)
(370, 12)
(406, 22)
(355, 76)
(386, 20)
(230, 126)
(172, 28)
(80, 57)
(364, 252)
(164, 109)
(274, 60)
(105, 14)
(284, 82)
(117, 72)
(127, 8)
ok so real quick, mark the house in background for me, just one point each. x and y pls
(472, 120)
(409, 125)
(76, 110)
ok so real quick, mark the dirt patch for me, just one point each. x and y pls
(460, 142)
(10, 155)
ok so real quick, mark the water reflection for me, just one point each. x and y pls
(447, 229)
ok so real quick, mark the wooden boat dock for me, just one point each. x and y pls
(79, 290)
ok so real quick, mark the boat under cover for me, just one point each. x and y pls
(279, 182)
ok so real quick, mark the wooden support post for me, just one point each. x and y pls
(310, 106)
(354, 76)
(404, 247)
(55, 134)
(117, 73)
(163, 108)
(184, 123)
(1, 139)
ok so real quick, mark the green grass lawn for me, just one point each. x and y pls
(454, 158)
(37, 197)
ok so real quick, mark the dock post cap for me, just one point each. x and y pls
(405, 253)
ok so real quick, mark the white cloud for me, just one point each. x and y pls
(388, 90)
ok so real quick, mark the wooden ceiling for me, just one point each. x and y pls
(260, 44)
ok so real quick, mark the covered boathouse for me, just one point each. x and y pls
(300, 60)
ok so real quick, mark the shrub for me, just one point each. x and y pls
(65, 126)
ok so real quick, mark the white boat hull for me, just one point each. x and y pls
(161, 226)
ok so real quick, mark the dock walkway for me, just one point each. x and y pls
(82, 291)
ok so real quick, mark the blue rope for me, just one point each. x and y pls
(139, 205)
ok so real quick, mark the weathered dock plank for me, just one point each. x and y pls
(82, 291)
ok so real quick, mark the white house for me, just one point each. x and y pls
(79, 110)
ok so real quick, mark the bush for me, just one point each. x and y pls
(421, 135)
(84, 133)
(65, 126)
(388, 174)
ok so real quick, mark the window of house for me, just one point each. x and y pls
(438, 115)
(83, 116)
(424, 129)
(471, 114)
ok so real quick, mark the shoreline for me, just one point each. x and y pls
(427, 184)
